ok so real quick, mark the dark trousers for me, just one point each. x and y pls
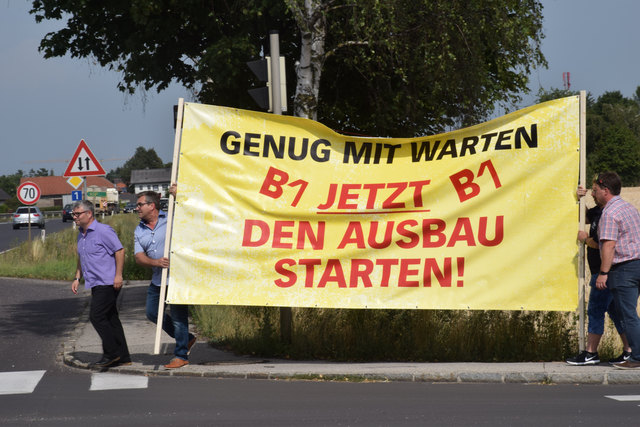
(103, 314)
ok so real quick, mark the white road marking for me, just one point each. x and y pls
(19, 382)
(626, 398)
(107, 381)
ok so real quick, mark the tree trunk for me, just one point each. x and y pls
(310, 18)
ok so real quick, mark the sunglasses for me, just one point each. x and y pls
(600, 183)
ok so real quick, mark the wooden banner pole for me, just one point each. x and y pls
(581, 259)
(167, 241)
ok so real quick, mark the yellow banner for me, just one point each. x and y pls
(282, 211)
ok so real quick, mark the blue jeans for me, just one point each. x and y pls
(175, 325)
(624, 282)
(601, 302)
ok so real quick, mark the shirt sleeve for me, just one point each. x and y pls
(111, 241)
(607, 228)
(137, 246)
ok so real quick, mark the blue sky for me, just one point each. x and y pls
(48, 106)
(596, 41)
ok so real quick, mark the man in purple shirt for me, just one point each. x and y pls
(619, 235)
(100, 262)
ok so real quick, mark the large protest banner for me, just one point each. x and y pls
(282, 211)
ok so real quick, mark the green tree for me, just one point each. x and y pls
(388, 68)
(39, 172)
(613, 133)
(412, 67)
(141, 159)
(613, 137)
(201, 45)
(545, 95)
(9, 183)
(619, 151)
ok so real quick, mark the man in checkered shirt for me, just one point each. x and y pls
(619, 235)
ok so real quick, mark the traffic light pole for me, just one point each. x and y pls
(274, 46)
(286, 317)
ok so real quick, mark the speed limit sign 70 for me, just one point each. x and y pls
(28, 193)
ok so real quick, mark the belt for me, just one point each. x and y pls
(620, 264)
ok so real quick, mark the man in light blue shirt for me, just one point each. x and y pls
(149, 252)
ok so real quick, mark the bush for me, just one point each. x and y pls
(394, 335)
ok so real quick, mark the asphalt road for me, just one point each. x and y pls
(10, 238)
(36, 317)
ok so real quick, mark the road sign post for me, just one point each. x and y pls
(28, 193)
(83, 164)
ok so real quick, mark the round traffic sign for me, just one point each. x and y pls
(28, 193)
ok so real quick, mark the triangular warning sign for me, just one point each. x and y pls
(84, 163)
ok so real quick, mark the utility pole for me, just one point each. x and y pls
(286, 317)
(273, 98)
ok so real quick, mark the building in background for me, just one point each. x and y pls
(157, 180)
(120, 185)
(56, 191)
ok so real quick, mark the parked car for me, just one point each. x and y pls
(21, 217)
(129, 207)
(66, 213)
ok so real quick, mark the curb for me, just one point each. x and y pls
(286, 370)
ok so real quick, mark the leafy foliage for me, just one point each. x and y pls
(428, 64)
(9, 183)
(201, 45)
(613, 133)
(396, 68)
(142, 159)
(619, 151)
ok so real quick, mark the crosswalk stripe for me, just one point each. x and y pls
(108, 381)
(626, 398)
(19, 382)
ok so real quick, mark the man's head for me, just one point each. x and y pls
(606, 186)
(148, 205)
(82, 213)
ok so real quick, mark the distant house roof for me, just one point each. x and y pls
(58, 185)
(3, 195)
(148, 176)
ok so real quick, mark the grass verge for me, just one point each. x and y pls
(56, 258)
(340, 334)
(400, 335)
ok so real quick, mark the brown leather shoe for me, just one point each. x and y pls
(176, 362)
(627, 364)
(191, 344)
